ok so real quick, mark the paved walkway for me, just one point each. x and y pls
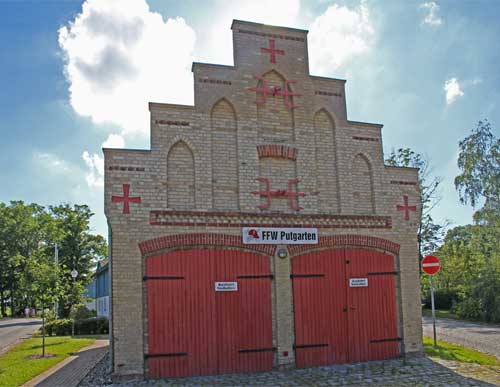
(13, 330)
(421, 372)
(483, 337)
(73, 369)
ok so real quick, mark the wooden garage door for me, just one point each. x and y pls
(194, 330)
(336, 323)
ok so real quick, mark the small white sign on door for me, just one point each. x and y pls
(358, 282)
(226, 286)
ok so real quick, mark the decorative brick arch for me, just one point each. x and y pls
(223, 100)
(346, 240)
(273, 150)
(181, 241)
(178, 139)
(331, 116)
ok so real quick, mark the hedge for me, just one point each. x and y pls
(443, 298)
(89, 326)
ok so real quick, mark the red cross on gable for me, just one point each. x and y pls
(126, 199)
(406, 208)
(290, 194)
(267, 91)
(271, 50)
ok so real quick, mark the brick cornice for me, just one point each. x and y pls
(273, 150)
(346, 240)
(247, 219)
(201, 239)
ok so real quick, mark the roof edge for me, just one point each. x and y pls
(328, 78)
(253, 24)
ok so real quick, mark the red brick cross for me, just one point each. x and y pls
(290, 194)
(406, 208)
(267, 91)
(287, 94)
(126, 199)
(271, 50)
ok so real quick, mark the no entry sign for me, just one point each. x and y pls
(431, 264)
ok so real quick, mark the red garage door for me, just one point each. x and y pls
(345, 307)
(195, 330)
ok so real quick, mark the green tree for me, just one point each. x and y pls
(471, 254)
(43, 287)
(20, 236)
(479, 163)
(78, 249)
(430, 233)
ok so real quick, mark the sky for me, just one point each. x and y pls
(77, 75)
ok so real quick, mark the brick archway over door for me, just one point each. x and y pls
(201, 239)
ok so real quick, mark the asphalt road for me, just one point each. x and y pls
(483, 337)
(13, 330)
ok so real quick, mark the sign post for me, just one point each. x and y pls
(431, 265)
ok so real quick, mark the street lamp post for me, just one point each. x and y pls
(74, 274)
(56, 262)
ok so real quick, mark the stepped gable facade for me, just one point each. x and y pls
(265, 146)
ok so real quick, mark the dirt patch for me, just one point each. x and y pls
(35, 357)
(485, 373)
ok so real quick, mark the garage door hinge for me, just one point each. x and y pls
(384, 273)
(386, 340)
(173, 354)
(310, 346)
(306, 275)
(257, 350)
(161, 277)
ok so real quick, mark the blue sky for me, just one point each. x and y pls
(71, 81)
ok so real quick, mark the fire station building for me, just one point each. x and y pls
(262, 229)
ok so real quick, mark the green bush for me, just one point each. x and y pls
(443, 298)
(469, 309)
(80, 312)
(92, 326)
(89, 326)
(60, 327)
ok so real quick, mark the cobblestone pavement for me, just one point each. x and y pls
(483, 337)
(420, 372)
(73, 369)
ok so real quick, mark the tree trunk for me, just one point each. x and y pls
(43, 330)
(12, 302)
(3, 308)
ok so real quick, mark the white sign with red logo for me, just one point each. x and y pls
(278, 236)
(431, 264)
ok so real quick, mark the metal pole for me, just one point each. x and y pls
(56, 261)
(72, 310)
(433, 313)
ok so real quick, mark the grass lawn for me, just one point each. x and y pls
(449, 351)
(16, 367)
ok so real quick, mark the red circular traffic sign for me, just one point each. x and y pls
(431, 264)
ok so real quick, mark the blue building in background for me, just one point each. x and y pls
(98, 290)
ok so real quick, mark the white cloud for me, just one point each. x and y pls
(476, 81)
(338, 35)
(431, 17)
(114, 141)
(453, 91)
(216, 45)
(119, 56)
(95, 174)
(52, 162)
